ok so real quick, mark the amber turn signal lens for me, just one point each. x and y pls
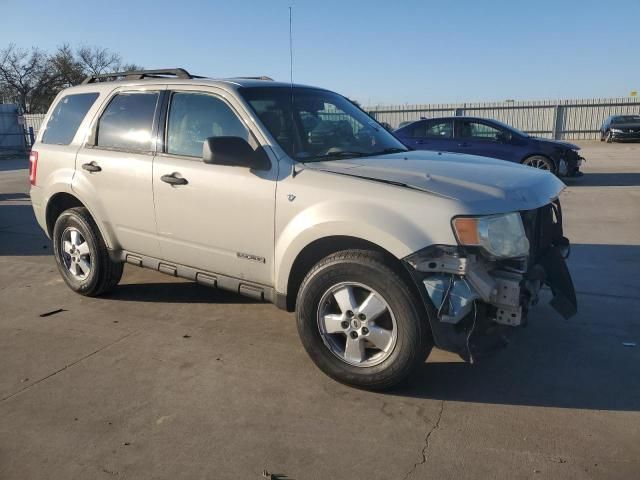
(466, 230)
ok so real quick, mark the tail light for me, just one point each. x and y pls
(33, 166)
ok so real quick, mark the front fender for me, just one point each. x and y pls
(386, 228)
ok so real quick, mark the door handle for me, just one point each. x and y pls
(91, 167)
(463, 144)
(174, 179)
(421, 142)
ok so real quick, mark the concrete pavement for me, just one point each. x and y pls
(166, 379)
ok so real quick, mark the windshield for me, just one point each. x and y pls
(312, 125)
(622, 119)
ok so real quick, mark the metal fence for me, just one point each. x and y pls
(559, 119)
(34, 121)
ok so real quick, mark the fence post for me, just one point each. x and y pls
(557, 121)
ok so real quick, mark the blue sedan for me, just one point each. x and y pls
(490, 138)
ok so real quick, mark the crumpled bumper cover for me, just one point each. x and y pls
(475, 297)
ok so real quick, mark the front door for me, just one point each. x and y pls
(113, 170)
(476, 137)
(221, 218)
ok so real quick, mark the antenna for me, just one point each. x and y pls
(293, 144)
(290, 46)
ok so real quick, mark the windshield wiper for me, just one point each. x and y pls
(389, 150)
(329, 156)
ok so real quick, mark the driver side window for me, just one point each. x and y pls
(193, 117)
(477, 130)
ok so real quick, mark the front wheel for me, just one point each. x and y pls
(609, 137)
(539, 162)
(360, 322)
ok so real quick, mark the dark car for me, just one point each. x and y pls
(620, 127)
(490, 138)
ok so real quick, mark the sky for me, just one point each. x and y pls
(377, 52)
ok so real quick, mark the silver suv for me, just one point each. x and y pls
(294, 195)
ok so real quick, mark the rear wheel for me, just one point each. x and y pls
(539, 162)
(360, 322)
(81, 254)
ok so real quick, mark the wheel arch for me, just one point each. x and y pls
(321, 248)
(61, 201)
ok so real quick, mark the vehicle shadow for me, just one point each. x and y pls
(175, 292)
(17, 162)
(20, 234)
(581, 363)
(604, 180)
(559, 374)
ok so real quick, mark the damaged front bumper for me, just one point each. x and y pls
(474, 298)
(569, 165)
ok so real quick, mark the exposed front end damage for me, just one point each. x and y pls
(477, 297)
(569, 164)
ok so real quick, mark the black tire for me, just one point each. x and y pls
(601, 136)
(104, 273)
(609, 137)
(413, 338)
(540, 162)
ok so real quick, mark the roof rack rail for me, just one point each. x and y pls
(140, 74)
(262, 77)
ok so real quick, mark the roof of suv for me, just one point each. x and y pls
(224, 83)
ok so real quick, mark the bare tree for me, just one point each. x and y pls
(96, 60)
(25, 75)
(32, 78)
(130, 67)
(68, 68)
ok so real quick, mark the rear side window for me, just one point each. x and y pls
(440, 129)
(66, 118)
(193, 117)
(127, 122)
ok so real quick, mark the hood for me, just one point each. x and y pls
(557, 143)
(486, 185)
(626, 126)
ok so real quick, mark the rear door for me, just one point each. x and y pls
(430, 135)
(222, 219)
(438, 135)
(114, 168)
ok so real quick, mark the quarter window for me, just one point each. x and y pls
(67, 117)
(193, 117)
(127, 122)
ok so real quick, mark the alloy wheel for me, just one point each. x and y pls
(76, 254)
(357, 324)
(539, 163)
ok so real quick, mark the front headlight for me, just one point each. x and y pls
(616, 130)
(502, 236)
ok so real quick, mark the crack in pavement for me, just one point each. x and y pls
(69, 365)
(435, 427)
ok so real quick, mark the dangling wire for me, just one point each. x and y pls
(473, 326)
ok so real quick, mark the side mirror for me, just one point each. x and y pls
(234, 152)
